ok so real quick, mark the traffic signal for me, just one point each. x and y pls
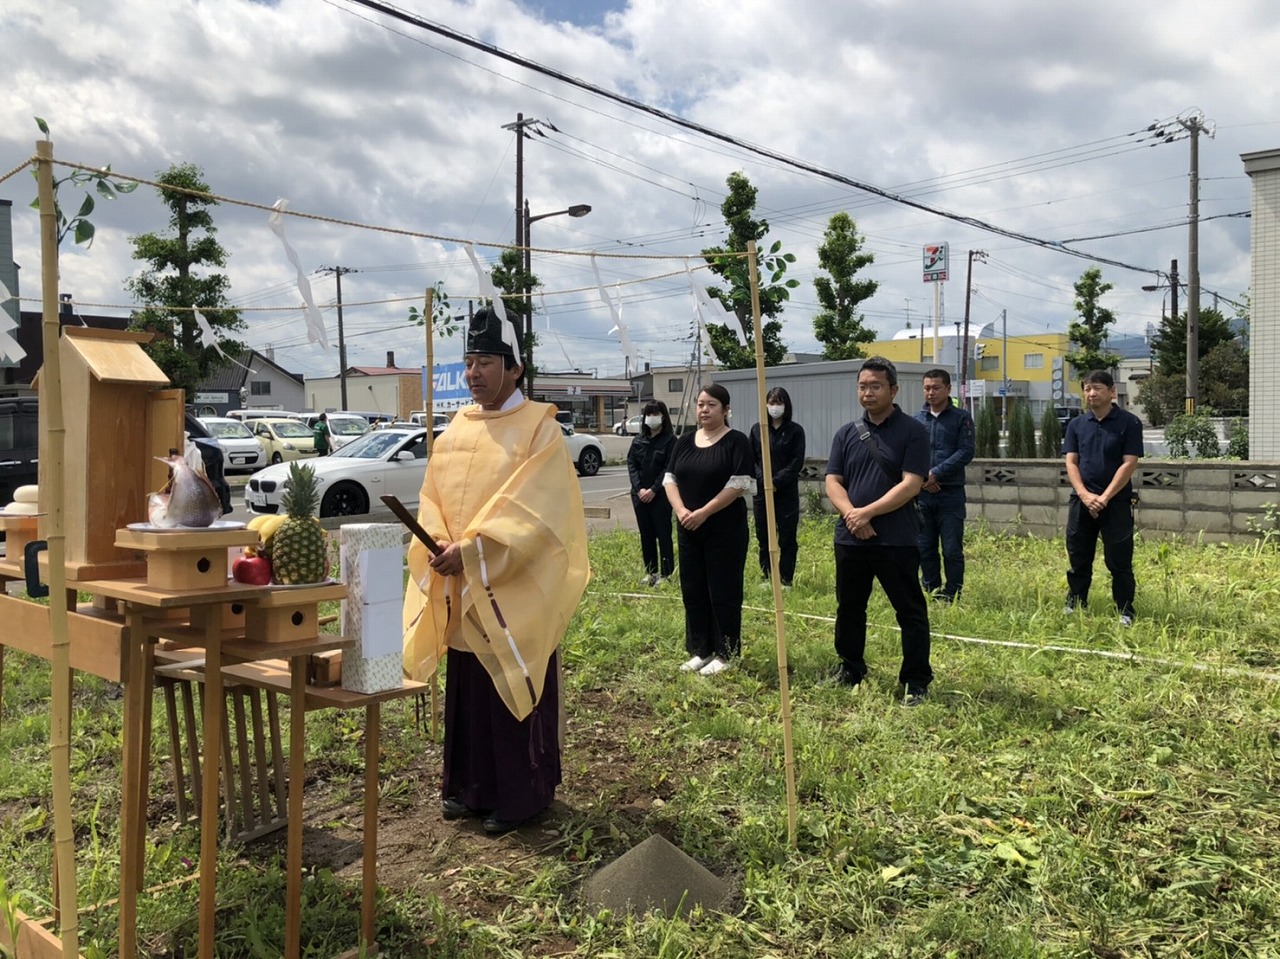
(978, 350)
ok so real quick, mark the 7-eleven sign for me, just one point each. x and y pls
(936, 256)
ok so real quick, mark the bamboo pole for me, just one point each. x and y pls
(51, 497)
(428, 404)
(775, 576)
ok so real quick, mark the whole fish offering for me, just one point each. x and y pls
(188, 499)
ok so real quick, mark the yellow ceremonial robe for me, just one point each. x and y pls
(500, 484)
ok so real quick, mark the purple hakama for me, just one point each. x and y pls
(493, 762)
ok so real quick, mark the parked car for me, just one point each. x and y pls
(439, 420)
(245, 415)
(391, 460)
(284, 439)
(19, 445)
(1066, 414)
(630, 427)
(585, 451)
(343, 427)
(240, 448)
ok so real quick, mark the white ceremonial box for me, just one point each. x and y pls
(373, 568)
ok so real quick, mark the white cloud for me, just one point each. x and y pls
(359, 118)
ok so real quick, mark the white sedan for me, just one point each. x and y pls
(240, 448)
(585, 451)
(351, 479)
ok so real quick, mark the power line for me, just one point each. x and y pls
(736, 142)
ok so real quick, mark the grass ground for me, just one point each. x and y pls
(1071, 788)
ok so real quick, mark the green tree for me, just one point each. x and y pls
(1238, 439)
(727, 263)
(1050, 446)
(986, 430)
(1089, 330)
(179, 277)
(1195, 430)
(1163, 396)
(838, 326)
(1224, 378)
(1169, 345)
(1022, 434)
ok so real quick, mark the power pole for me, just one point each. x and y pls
(338, 272)
(522, 238)
(1194, 124)
(1004, 366)
(968, 295)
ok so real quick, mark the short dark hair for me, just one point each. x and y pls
(878, 364)
(779, 395)
(717, 392)
(1099, 376)
(652, 408)
(938, 374)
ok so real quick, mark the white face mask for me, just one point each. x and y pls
(775, 412)
(653, 422)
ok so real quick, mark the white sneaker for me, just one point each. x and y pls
(714, 666)
(693, 664)
(648, 579)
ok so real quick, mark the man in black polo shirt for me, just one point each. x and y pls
(1102, 450)
(877, 466)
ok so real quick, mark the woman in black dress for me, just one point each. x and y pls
(707, 477)
(786, 451)
(647, 465)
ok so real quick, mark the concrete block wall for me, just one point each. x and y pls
(1196, 500)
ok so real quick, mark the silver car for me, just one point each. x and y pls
(240, 448)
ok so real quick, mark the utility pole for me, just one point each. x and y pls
(522, 237)
(968, 295)
(1194, 124)
(338, 272)
(1004, 366)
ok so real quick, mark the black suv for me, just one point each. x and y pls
(1066, 414)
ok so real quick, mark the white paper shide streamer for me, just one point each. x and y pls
(624, 335)
(9, 348)
(315, 323)
(209, 338)
(711, 310)
(487, 289)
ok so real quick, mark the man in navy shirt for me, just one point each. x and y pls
(951, 444)
(1102, 448)
(877, 466)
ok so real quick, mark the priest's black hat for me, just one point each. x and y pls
(485, 334)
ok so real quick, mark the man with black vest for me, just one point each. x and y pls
(1102, 449)
(877, 466)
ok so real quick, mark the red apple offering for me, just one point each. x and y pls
(252, 570)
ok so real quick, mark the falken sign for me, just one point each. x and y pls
(449, 387)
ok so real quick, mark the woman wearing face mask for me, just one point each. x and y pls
(647, 464)
(786, 451)
(707, 477)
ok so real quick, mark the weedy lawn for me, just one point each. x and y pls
(1071, 788)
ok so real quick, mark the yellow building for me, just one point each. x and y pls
(1037, 366)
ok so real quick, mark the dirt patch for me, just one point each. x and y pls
(420, 852)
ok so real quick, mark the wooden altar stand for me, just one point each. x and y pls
(254, 636)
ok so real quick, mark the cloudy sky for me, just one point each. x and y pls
(1026, 115)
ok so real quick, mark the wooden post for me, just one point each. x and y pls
(775, 576)
(428, 404)
(213, 705)
(51, 499)
(293, 853)
(369, 863)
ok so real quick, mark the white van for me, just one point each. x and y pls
(438, 420)
(259, 414)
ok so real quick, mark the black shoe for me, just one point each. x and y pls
(916, 695)
(500, 827)
(846, 675)
(941, 597)
(454, 808)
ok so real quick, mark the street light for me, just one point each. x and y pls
(577, 210)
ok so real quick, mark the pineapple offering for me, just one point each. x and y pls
(299, 547)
